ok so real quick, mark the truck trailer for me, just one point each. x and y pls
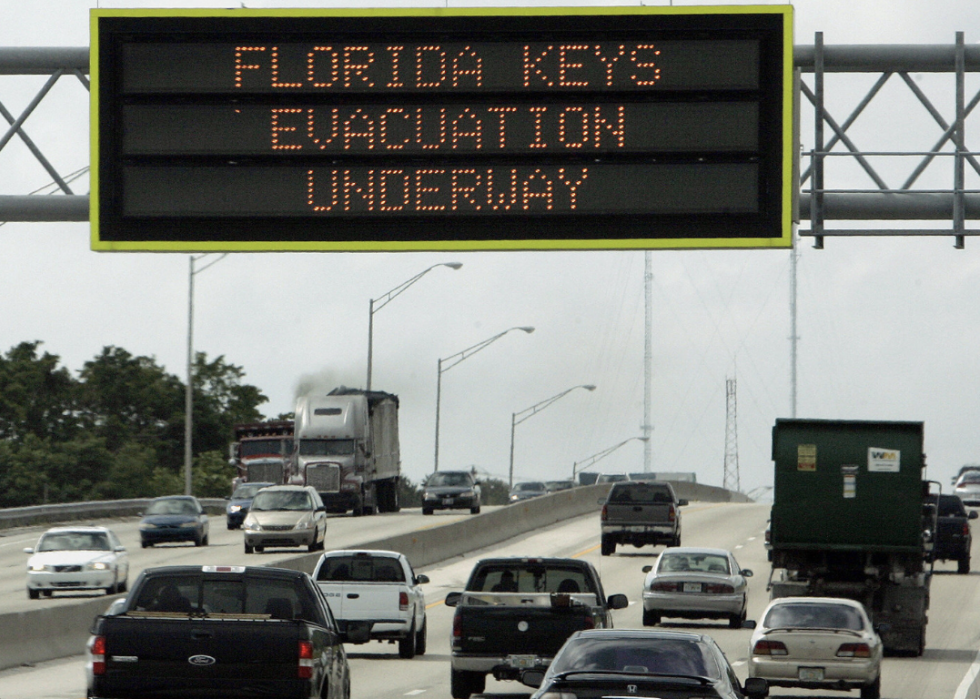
(848, 520)
(347, 448)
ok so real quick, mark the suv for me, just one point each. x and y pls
(447, 490)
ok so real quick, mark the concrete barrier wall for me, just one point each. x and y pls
(57, 632)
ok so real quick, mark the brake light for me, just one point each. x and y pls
(305, 669)
(770, 648)
(589, 623)
(671, 514)
(661, 586)
(457, 628)
(854, 650)
(96, 649)
(719, 588)
(402, 601)
(966, 529)
(604, 514)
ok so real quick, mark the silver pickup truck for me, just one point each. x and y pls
(640, 513)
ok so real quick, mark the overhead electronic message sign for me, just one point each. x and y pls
(449, 129)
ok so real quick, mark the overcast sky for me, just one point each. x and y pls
(888, 327)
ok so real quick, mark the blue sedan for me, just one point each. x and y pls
(240, 501)
(174, 518)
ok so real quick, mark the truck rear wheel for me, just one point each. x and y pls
(650, 618)
(873, 690)
(420, 638)
(406, 644)
(963, 565)
(463, 683)
(608, 546)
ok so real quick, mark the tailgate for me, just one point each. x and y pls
(155, 650)
(638, 513)
(363, 601)
(506, 630)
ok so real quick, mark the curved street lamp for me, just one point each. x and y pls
(591, 460)
(454, 359)
(529, 412)
(383, 300)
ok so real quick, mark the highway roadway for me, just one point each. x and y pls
(377, 672)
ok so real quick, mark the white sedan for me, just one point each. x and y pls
(825, 643)
(77, 558)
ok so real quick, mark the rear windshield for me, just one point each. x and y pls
(276, 599)
(175, 506)
(447, 479)
(361, 568)
(814, 616)
(693, 562)
(640, 492)
(639, 656)
(529, 579)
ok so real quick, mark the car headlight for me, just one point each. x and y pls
(305, 523)
(234, 508)
(188, 525)
(429, 496)
(467, 494)
(36, 567)
(147, 525)
(250, 525)
(98, 565)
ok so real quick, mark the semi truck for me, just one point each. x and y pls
(262, 452)
(347, 448)
(849, 520)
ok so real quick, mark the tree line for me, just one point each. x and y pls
(116, 429)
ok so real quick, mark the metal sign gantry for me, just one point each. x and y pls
(820, 201)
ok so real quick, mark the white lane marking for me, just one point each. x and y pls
(752, 538)
(738, 663)
(414, 692)
(969, 681)
(738, 547)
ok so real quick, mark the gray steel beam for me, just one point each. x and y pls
(884, 58)
(890, 206)
(46, 208)
(42, 60)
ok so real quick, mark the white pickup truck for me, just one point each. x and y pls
(375, 595)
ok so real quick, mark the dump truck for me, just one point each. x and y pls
(849, 520)
(347, 448)
(261, 452)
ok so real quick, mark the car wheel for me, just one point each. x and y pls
(406, 644)
(420, 638)
(259, 549)
(963, 565)
(426, 511)
(475, 510)
(312, 546)
(47, 593)
(463, 683)
(198, 542)
(873, 690)
(113, 588)
(205, 541)
(145, 544)
(608, 546)
(248, 549)
(33, 594)
(735, 620)
(123, 586)
(650, 618)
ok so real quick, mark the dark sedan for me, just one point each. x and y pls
(240, 501)
(447, 490)
(638, 663)
(174, 518)
(527, 490)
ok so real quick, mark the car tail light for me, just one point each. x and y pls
(457, 629)
(305, 670)
(854, 650)
(966, 529)
(661, 586)
(671, 514)
(589, 623)
(719, 588)
(604, 514)
(770, 648)
(402, 601)
(96, 649)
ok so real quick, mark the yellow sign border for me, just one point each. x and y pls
(783, 242)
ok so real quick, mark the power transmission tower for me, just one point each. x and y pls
(731, 480)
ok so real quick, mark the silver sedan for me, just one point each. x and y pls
(695, 583)
(968, 488)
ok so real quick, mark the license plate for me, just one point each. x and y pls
(692, 587)
(522, 661)
(811, 674)
(447, 501)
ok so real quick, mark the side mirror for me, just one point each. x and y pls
(357, 632)
(883, 627)
(321, 508)
(646, 569)
(973, 514)
(756, 687)
(119, 549)
(682, 502)
(618, 601)
(748, 624)
(532, 678)
(745, 573)
(452, 599)
(29, 550)
(601, 501)
(421, 579)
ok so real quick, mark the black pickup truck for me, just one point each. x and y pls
(218, 631)
(515, 614)
(952, 539)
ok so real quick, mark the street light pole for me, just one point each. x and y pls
(454, 359)
(529, 412)
(592, 460)
(383, 300)
(189, 388)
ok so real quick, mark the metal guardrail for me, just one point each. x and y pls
(73, 511)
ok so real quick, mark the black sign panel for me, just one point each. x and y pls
(606, 128)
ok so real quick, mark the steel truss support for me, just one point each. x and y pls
(819, 202)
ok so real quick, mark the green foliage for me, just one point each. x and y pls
(409, 493)
(494, 491)
(115, 432)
